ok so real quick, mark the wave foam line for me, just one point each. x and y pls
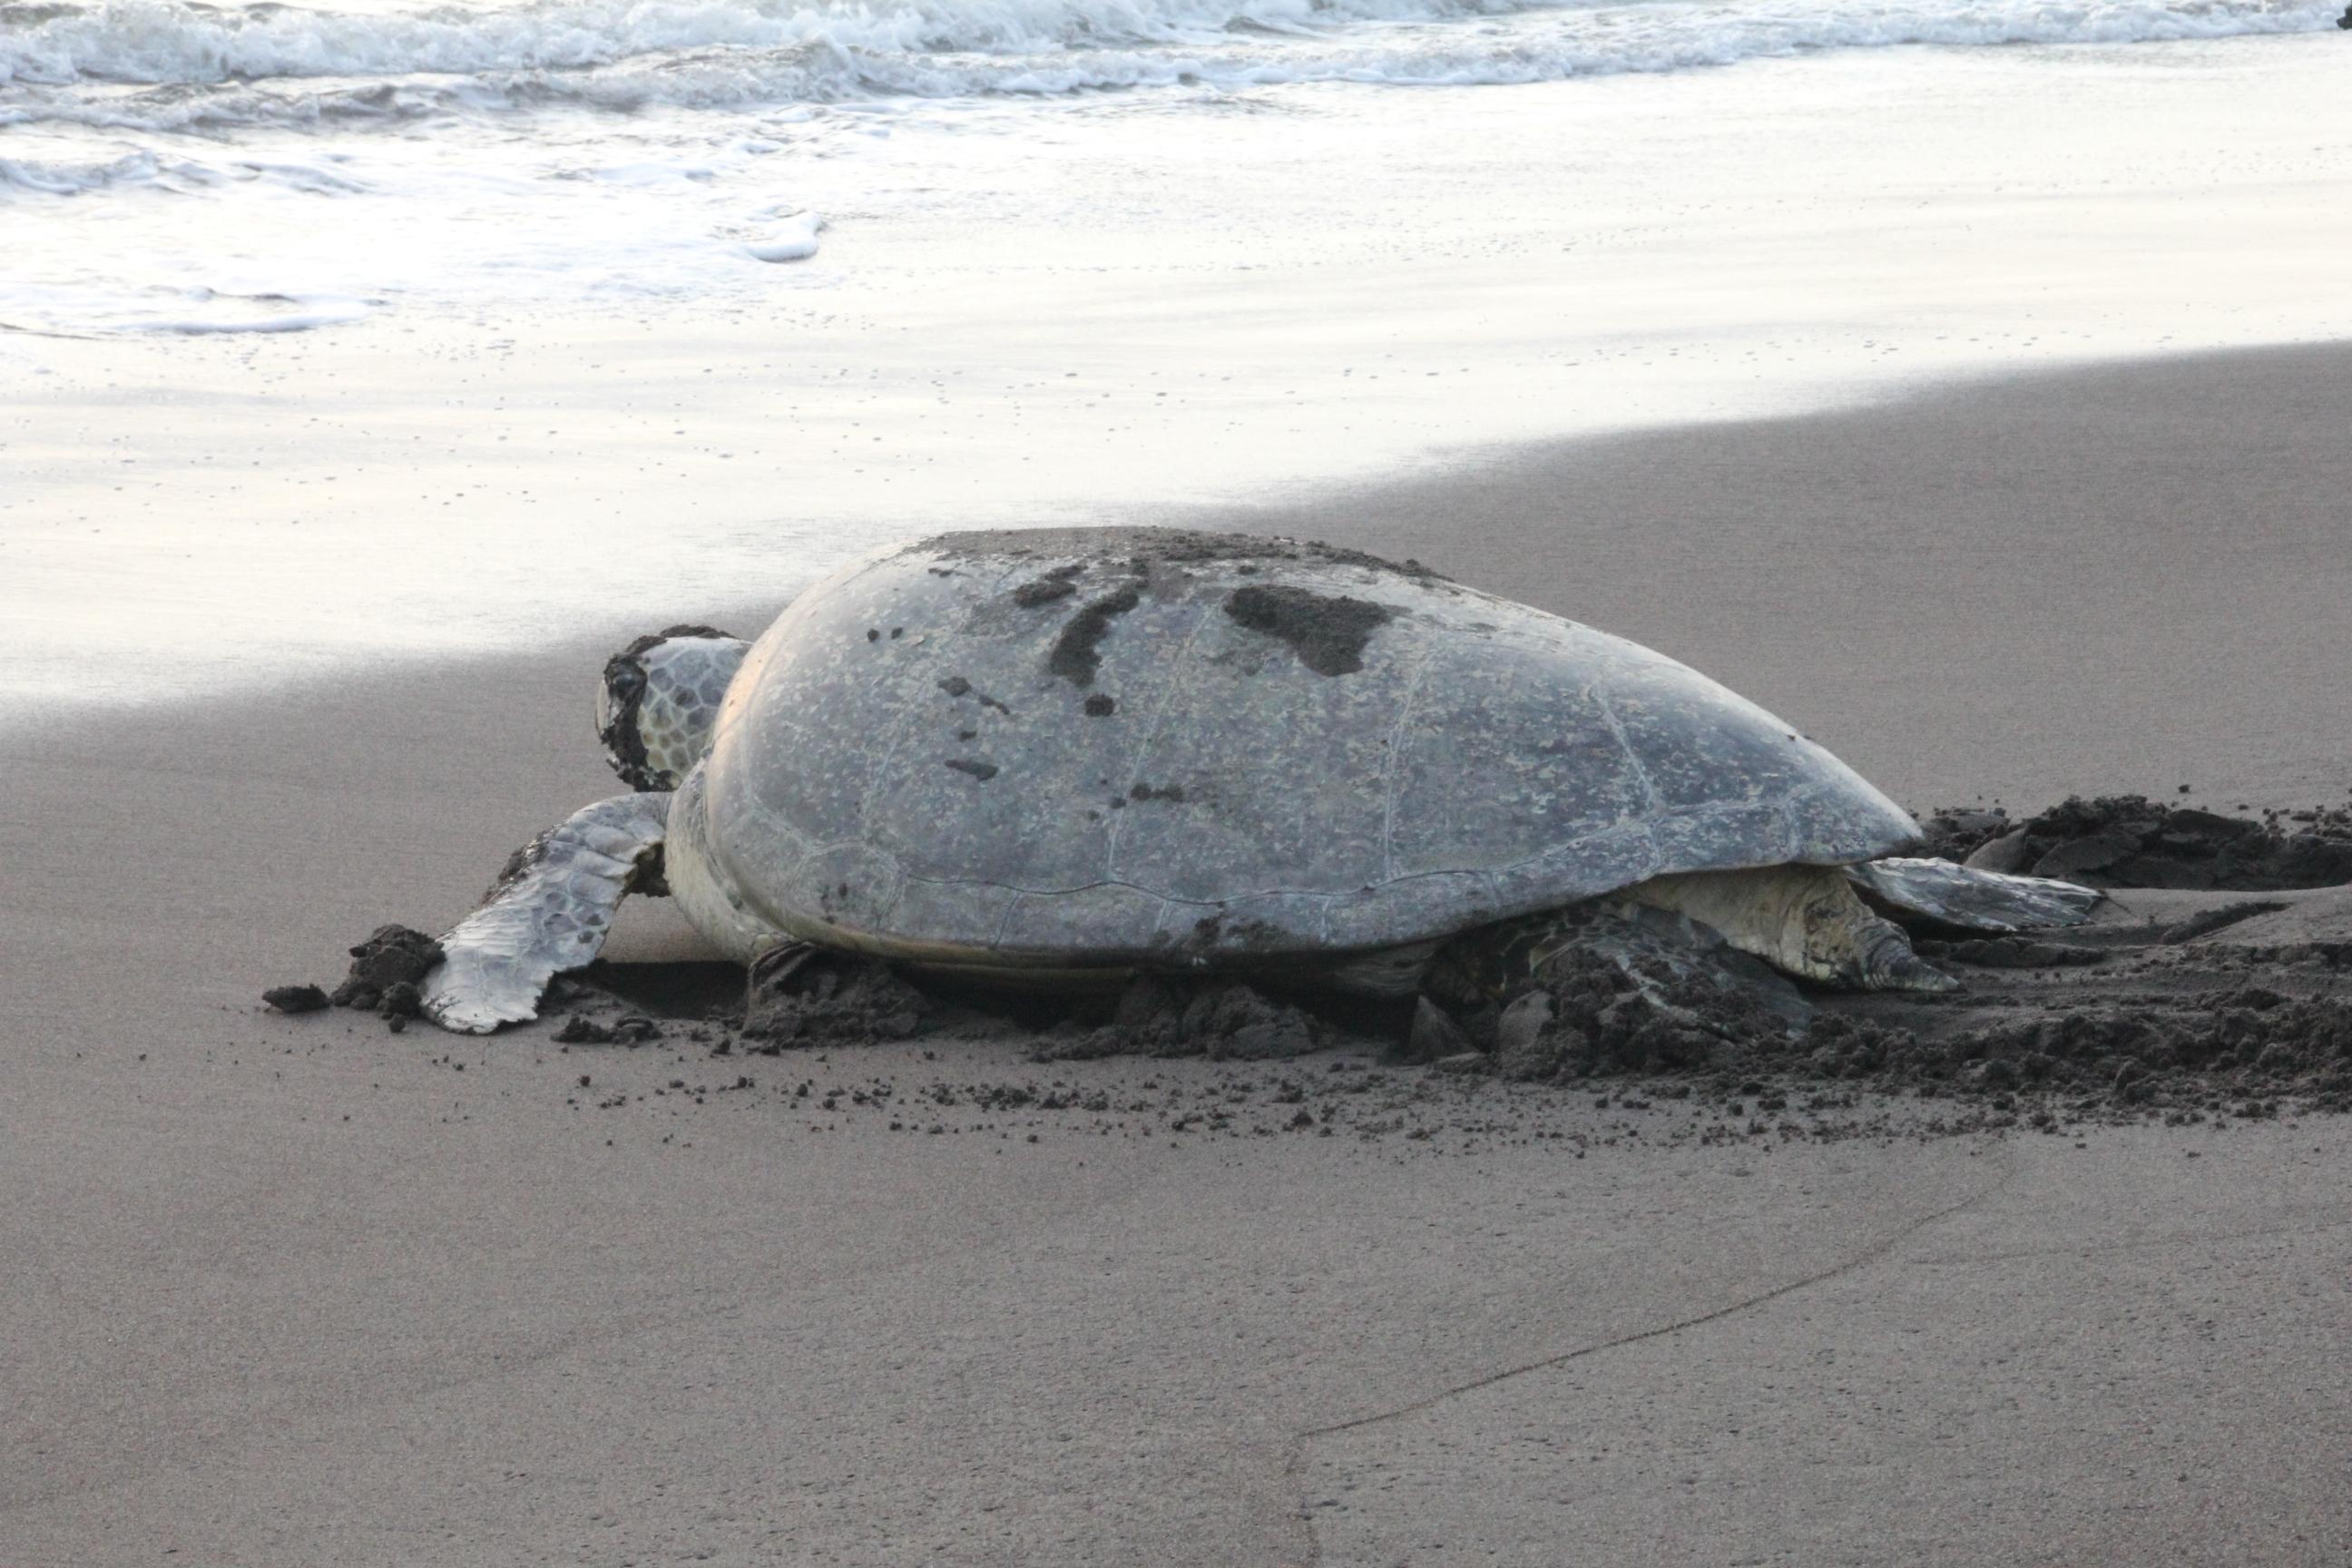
(70, 63)
(158, 42)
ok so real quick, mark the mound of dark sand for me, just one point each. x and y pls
(582, 1029)
(2131, 841)
(295, 998)
(2119, 1020)
(1222, 1020)
(2133, 1017)
(1635, 990)
(386, 976)
(821, 999)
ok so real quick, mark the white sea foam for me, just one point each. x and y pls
(162, 64)
(282, 315)
(91, 310)
(791, 238)
(559, 151)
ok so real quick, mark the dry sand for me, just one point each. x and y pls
(303, 1290)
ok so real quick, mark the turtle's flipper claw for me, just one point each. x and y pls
(1887, 963)
(548, 911)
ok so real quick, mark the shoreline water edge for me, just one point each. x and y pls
(572, 378)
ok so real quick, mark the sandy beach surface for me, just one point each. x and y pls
(303, 1290)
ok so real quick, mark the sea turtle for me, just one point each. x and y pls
(1068, 756)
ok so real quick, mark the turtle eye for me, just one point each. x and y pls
(617, 707)
(616, 700)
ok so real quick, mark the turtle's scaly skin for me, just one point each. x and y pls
(547, 912)
(1114, 747)
(659, 699)
(1805, 919)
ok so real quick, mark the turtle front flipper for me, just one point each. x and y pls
(1804, 920)
(548, 911)
(1973, 900)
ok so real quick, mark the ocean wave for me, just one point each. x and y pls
(155, 64)
(77, 176)
(155, 41)
(67, 177)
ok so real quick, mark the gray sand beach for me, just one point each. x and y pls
(304, 1290)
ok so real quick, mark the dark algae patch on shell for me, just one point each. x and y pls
(1056, 585)
(1074, 657)
(1327, 631)
(957, 686)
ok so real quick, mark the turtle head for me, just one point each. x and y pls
(659, 699)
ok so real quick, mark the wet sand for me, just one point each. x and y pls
(302, 1290)
(1599, 254)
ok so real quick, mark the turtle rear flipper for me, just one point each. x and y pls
(1804, 920)
(1973, 900)
(548, 911)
